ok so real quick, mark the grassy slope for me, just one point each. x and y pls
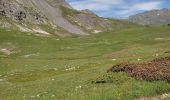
(37, 69)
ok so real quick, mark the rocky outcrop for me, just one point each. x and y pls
(14, 10)
(38, 12)
(153, 17)
(58, 15)
(87, 20)
(53, 13)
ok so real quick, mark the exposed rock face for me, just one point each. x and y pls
(38, 11)
(91, 21)
(153, 17)
(57, 3)
(14, 10)
(57, 16)
(54, 14)
(87, 19)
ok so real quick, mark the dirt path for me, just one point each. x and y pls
(165, 96)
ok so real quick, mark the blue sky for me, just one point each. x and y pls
(119, 8)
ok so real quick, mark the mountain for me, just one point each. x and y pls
(38, 12)
(153, 17)
(55, 17)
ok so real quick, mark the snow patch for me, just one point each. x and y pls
(24, 29)
(97, 31)
(36, 30)
(40, 31)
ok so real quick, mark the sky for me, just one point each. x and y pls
(119, 8)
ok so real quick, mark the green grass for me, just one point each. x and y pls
(50, 68)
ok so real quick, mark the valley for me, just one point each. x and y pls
(50, 68)
(84, 50)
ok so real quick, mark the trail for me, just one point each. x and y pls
(165, 96)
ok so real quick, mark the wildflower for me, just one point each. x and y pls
(78, 87)
(72, 68)
(38, 95)
(113, 59)
(139, 59)
(32, 96)
(53, 95)
(55, 69)
(157, 55)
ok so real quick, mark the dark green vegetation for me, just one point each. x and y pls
(50, 68)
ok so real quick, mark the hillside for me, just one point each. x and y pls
(50, 68)
(51, 17)
(153, 17)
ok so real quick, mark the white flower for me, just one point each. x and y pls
(55, 69)
(71, 68)
(157, 55)
(78, 87)
(139, 59)
(113, 59)
(38, 95)
(53, 95)
(32, 96)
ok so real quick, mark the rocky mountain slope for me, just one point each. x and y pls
(51, 16)
(38, 12)
(153, 17)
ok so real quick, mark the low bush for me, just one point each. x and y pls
(157, 69)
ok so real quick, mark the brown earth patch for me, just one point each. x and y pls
(165, 96)
(157, 69)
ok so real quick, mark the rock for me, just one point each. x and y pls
(2, 13)
(5, 51)
(21, 15)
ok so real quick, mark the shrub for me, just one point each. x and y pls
(157, 69)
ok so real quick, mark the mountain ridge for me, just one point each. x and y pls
(154, 17)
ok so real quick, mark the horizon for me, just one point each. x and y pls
(118, 8)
